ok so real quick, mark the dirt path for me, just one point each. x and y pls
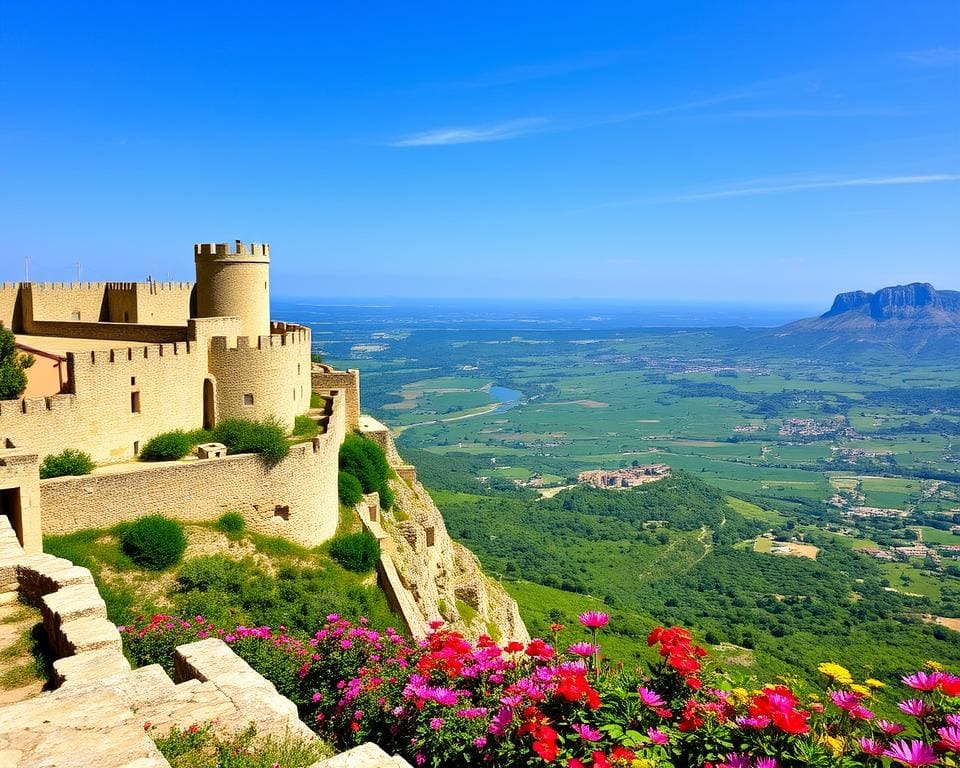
(18, 676)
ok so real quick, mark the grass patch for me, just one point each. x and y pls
(467, 612)
(305, 427)
(200, 747)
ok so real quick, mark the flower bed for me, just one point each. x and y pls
(449, 702)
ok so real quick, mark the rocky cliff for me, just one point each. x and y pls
(915, 319)
(425, 574)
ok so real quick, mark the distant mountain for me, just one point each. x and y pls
(916, 319)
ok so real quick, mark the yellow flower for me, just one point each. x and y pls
(834, 744)
(836, 672)
(863, 690)
(874, 683)
(935, 666)
(739, 696)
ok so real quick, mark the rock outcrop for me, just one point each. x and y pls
(425, 574)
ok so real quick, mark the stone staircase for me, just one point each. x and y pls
(101, 712)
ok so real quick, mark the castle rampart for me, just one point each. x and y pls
(296, 498)
(264, 377)
(324, 379)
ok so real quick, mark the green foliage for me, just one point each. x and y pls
(299, 596)
(268, 438)
(316, 400)
(305, 426)
(13, 365)
(198, 746)
(357, 552)
(231, 523)
(68, 462)
(167, 446)
(366, 461)
(349, 489)
(154, 542)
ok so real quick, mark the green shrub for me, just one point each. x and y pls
(349, 489)
(268, 438)
(13, 365)
(357, 552)
(154, 542)
(366, 461)
(231, 523)
(168, 446)
(387, 497)
(67, 462)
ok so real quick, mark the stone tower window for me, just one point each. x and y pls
(134, 402)
(75, 315)
(248, 399)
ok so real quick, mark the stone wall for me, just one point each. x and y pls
(9, 306)
(20, 482)
(264, 377)
(123, 398)
(326, 379)
(296, 499)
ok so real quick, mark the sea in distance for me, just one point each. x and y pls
(329, 316)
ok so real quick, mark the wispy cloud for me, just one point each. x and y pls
(510, 129)
(933, 57)
(773, 189)
(774, 186)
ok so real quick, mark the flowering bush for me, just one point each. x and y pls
(446, 701)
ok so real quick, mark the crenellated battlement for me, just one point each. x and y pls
(238, 251)
(133, 354)
(289, 336)
(31, 406)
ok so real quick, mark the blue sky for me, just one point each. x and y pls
(715, 151)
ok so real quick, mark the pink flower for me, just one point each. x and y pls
(657, 736)
(870, 747)
(436, 723)
(584, 650)
(845, 699)
(949, 738)
(650, 698)
(914, 753)
(890, 729)
(586, 732)
(860, 712)
(923, 681)
(915, 707)
(765, 762)
(594, 619)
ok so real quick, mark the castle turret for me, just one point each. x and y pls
(235, 282)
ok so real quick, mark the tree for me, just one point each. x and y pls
(13, 366)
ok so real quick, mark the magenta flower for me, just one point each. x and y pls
(889, 728)
(954, 719)
(915, 707)
(914, 753)
(845, 699)
(658, 737)
(923, 681)
(594, 619)
(949, 738)
(765, 762)
(870, 747)
(736, 761)
(860, 712)
(650, 698)
(586, 732)
(583, 649)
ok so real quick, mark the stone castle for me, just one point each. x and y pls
(118, 363)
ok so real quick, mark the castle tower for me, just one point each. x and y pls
(235, 282)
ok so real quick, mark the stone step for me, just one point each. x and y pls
(367, 755)
(71, 603)
(88, 667)
(91, 633)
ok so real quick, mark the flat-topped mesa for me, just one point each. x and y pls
(234, 281)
